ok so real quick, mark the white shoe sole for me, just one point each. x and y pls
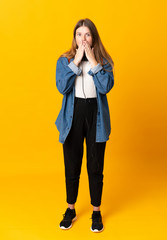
(69, 226)
(96, 230)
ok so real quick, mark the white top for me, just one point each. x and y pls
(84, 84)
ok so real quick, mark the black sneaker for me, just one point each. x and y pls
(97, 225)
(69, 217)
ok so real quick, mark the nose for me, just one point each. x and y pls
(83, 37)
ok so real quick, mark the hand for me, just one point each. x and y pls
(90, 54)
(79, 54)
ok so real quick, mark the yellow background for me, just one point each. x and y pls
(33, 34)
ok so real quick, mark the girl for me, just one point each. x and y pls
(84, 75)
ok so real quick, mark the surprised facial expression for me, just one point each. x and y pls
(83, 35)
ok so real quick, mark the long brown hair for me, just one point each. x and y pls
(99, 50)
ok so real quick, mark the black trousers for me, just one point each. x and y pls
(84, 126)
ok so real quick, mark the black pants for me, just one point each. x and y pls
(84, 126)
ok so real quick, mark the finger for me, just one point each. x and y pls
(86, 46)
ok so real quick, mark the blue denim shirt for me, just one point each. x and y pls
(66, 73)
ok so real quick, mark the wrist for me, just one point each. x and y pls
(75, 62)
(94, 63)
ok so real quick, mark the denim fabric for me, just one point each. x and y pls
(65, 81)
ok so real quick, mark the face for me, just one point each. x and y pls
(83, 34)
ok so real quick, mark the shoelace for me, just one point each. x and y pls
(67, 215)
(96, 218)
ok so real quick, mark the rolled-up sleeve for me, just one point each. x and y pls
(104, 80)
(75, 68)
(96, 68)
(65, 76)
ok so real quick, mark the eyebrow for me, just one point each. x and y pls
(80, 32)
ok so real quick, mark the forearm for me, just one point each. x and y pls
(65, 75)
